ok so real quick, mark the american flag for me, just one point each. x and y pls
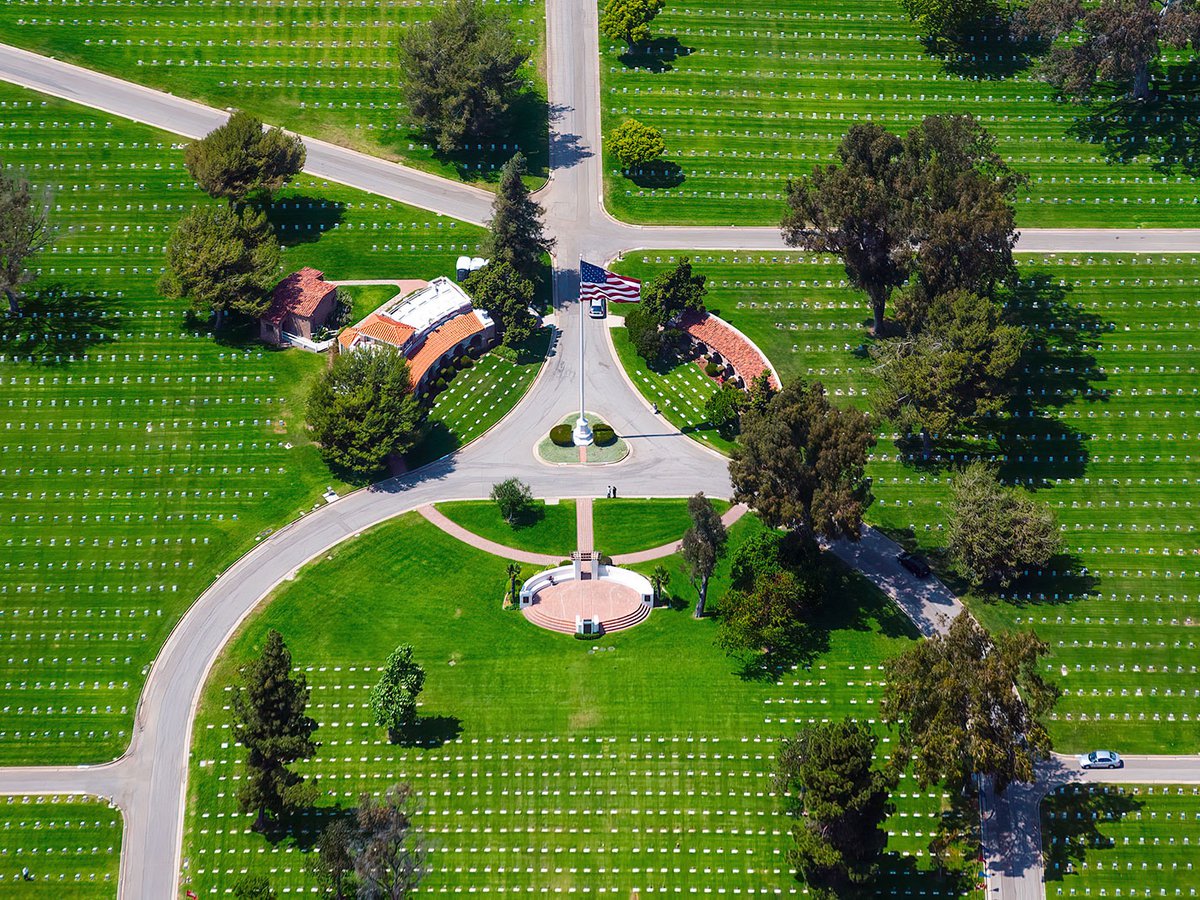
(597, 282)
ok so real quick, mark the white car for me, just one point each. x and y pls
(1101, 759)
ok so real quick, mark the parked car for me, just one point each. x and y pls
(1101, 759)
(914, 564)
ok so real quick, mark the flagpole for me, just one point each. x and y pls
(583, 431)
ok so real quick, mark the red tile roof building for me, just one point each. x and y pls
(733, 347)
(300, 305)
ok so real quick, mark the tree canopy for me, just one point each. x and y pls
(948, 20)
(394, 697)
(952, 698)
(956, 372)
(703, 545)
(460, 73)
(636, 144)
(664, 298)
(1112, 41)
(773, 616)
(936, 205)
(516, 235)
(361, 410)
(506, 296)
(23, 232)
(238, 158)
(514, 499)
(389, 861)
(270, 721)
(253, 887)
(222, 259)
(801, 463)
(996, 533)
(629, 21)
(840, 800)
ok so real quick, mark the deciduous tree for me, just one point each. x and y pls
(270, 721)
(460, 73)
(703, 545)
(514, 499)
(953, 700)
(629, 21)
(516, 235)
(334, 859)
(238, 158)
(394, 697)
(996, 533)
(24, 232)
(948, 20)
(222, 259)
(253, 887)
(723, 409)
(389, 864)
(801, 463)
(840, 800)
(636, 144)
(956, 372)
(361, 410)
(506, 296)
(674, 291)
(773, 616)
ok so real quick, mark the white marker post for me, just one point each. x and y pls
(582, 435)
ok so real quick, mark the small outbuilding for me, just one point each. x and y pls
(300, 305)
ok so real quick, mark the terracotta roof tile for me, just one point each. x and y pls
(387, 330)
(299, 293)
(440, 340)
(729, 342)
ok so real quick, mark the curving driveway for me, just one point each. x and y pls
(149, 781)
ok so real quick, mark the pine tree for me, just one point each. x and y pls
(270, 721)
(516, 233)
(239, 157)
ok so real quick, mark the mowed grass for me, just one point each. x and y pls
(70, 845)
(325, 69)
(141, 455)
(1121, 840)
(640, 761)
(627, 525)
(1106, 436)
(550, 528)
(750, 95)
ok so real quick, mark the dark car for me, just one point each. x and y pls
(914, 564)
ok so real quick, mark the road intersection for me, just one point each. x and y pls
(149, 781)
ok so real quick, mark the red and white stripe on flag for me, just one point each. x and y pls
(595, 281)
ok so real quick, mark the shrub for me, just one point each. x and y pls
(562, 435)
(712, 369)
(604, 434)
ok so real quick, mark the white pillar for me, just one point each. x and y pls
(582, 434)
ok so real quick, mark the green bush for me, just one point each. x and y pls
(604, 434)
(712, 369)
(561, 435)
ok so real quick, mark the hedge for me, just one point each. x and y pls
(562, 435)
(603, 434)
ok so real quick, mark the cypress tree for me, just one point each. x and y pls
(516, 236)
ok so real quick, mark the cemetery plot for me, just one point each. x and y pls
(141, 455)
(543, 764)
(1121, 840)
(750, 95)
(1106, 435)
(59, 847)
(325, 69)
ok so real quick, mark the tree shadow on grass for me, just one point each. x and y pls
(429, 731)
(661, 173)
(1165, 129)
(655, 55)
(300, 219)
(987, 50)
(1064, 579)
(57, 323)
(301, 828)
(1070, 823)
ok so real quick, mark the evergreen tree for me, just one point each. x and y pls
(506, 296)
(460, 73)
(840, 801)
(703, 546)
(238, 158)
(772, 617)
(23, 232)
(361, 410)
(514, 499)
(221, 259)
(941, 21)
(629, 21)
(270, 721)
(516, 234)
(394, 697)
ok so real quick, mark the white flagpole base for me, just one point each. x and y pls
(582, 435)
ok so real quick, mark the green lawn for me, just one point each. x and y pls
(1105, 436)
(1121, 840)
(637, 761)
(751, 95)
(70, 845)
(141, 456)
(329, 70)
(550, 530)
(680, 392)
(628, 525)
(367, 297)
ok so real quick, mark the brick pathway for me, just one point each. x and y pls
(585, 540)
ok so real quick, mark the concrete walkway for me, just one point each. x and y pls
(469, 537)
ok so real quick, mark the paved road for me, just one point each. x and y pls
(149, 781)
